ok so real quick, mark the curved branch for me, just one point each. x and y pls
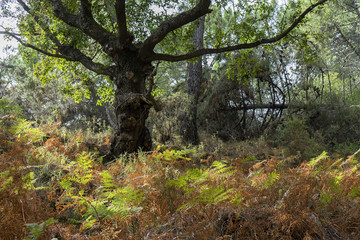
(197, 53)
(83, 21)
(75, 55)
(42, 26)
(15, 36)
(68, 53)
(201, 9)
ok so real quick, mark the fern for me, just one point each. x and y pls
(355, 191)
(264, 181)
(109, 199)
(316, 161)
(195, 185)
(221, 169)
(326, 198)
(107, 181)
(174, 155)
(89, 222)
(119, 200)
(26, 133)
(189, 181)
(6, 183)
(5, 180)
(28, 181)
(272, 178)
(37, 229)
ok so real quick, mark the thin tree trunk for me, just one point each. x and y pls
(351, 91)
(344, 91)
(189, 130)
(330, 91)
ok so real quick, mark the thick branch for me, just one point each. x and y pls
(263, 106)
(38, 21)
(121, 20)
(197, 53)
(75, 55)
(170, 25)
(83, 21)
(67, 52)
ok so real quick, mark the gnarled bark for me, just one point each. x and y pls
(131, 106)
(132, 110)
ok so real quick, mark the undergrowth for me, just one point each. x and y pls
(55, 187)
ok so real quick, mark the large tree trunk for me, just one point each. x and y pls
(131, 133)
(131, 107)
(188, 130)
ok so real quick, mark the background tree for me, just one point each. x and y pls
(189, 129)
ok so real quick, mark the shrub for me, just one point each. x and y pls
(295, 136)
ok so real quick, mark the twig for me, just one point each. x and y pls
(22, 211)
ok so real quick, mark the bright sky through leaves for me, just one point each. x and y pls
(5, 43)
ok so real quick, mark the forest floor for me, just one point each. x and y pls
(54, 186)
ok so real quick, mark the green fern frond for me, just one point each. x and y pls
(26, 132)
(89, 222)
(222, 170)
(174, 155)
(107, 181)
(315, 161)
(37, 229)
(272, 178)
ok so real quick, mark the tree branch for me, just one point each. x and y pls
(201, 9)
(200, 52)
(262, 106)
(15, 36)
(83, 21)
(121, 20)
(75, 55)
(67, 52)
(346, 40)
(42, 26)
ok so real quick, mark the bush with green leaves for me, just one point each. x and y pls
(7, 107)
(294, 134)
(339, 125)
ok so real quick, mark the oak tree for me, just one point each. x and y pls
(122, 40)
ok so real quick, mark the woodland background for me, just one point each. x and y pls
(264, 146)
